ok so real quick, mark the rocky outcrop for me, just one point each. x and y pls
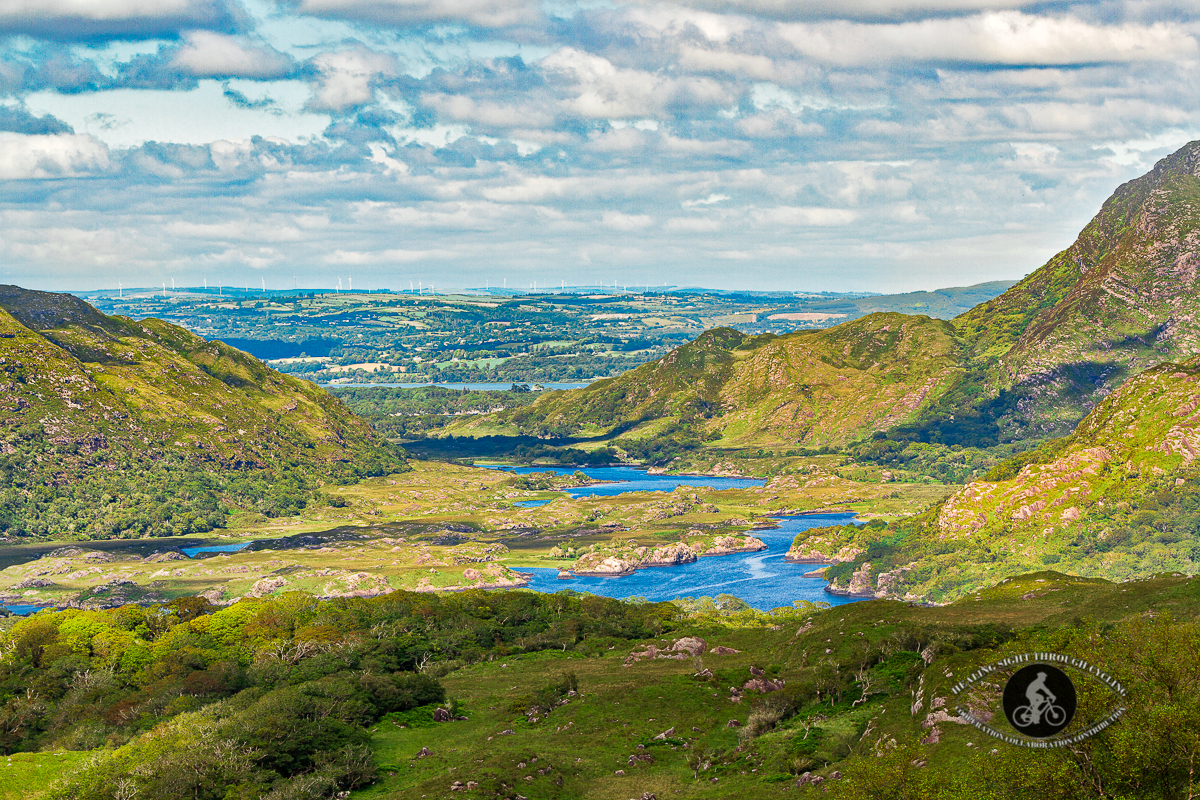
(493, 576)
(596, 564)
(859, 586)
(680, 650)
(727, 545)
(624, 559)
(266, 586)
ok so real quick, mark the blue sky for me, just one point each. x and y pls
(883, 145)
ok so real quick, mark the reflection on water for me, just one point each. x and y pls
(762, 579)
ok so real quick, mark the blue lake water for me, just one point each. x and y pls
(475, 387)
(631, 479)
(531, 503)
(762, 579)
(22, 610)
(190, 552)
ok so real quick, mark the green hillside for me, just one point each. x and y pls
(820, 388)
(1118, 499)
(1026, 365)
(1121, 299)
(111, 427)
(562, 696)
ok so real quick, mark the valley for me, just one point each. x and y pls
(829, 521)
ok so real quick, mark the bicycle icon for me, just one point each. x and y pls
(1039, 700)
(1028, 716)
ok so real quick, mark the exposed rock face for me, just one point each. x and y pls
(266, 586)
(680, 650)
(623, 560)
(860, 584)
(692, 645)
(669, 556)
(727, 545)
(356, 584)
(493, 576)
(597, 564)
(833, 545)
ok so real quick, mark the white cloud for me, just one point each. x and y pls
(626, 222)
(604, 91)
(805, 216)
(346, 78)
(400, 256)
(853, 9)
(207, 55)
(400, 13)
(1005, 37)
(463, 108)
(51, 156)
(67, 19)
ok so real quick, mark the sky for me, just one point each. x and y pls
(800, 145)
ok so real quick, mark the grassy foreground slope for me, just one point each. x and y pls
(582, 697)
(114, 427)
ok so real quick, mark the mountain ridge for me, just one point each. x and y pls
(1028, 364)
(91, 399)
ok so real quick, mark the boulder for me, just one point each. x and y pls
(692, 645)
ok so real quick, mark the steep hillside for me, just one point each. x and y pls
(115, 427)
(1026, 365)
(825, 387)
(1119, 498)
(1120, 299)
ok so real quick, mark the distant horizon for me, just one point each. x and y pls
(147, 292)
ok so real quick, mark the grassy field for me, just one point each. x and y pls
(29, 775)
(581, 749)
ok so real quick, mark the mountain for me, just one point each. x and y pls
(1119, 499)
(1121, 299)
(1028, 364)
(821, 387)
(114, 427)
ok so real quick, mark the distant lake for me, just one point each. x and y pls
(631, 479)
(191, 552)
(475, 387)
(22, 610)
(762, 579)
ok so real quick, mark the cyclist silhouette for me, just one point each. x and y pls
(1039, 697)
(1042, 701)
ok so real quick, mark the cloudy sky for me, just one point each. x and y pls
(765, 144)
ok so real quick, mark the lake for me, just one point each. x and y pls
(191, 552)
(475, 387)
(631, 479)
(762, 579)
